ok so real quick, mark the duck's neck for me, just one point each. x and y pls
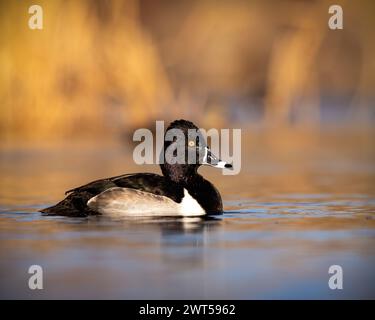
(181, 174)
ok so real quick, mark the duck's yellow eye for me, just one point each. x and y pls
(191, 143)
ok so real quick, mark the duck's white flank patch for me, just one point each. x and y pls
(190, 205)
(131, 202)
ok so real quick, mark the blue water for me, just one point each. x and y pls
(277, 239)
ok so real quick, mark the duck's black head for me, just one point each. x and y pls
(185, 150)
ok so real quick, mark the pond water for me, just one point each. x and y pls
(292, 212)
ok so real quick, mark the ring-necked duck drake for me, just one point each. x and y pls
(181, 191)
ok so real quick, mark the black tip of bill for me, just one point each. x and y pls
(228, 166)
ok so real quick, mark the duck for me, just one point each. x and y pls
(179, 191)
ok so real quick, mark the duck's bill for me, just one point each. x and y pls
(211, 160)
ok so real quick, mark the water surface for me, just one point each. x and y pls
(291, 214)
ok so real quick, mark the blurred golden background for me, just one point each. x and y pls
(99, 69)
